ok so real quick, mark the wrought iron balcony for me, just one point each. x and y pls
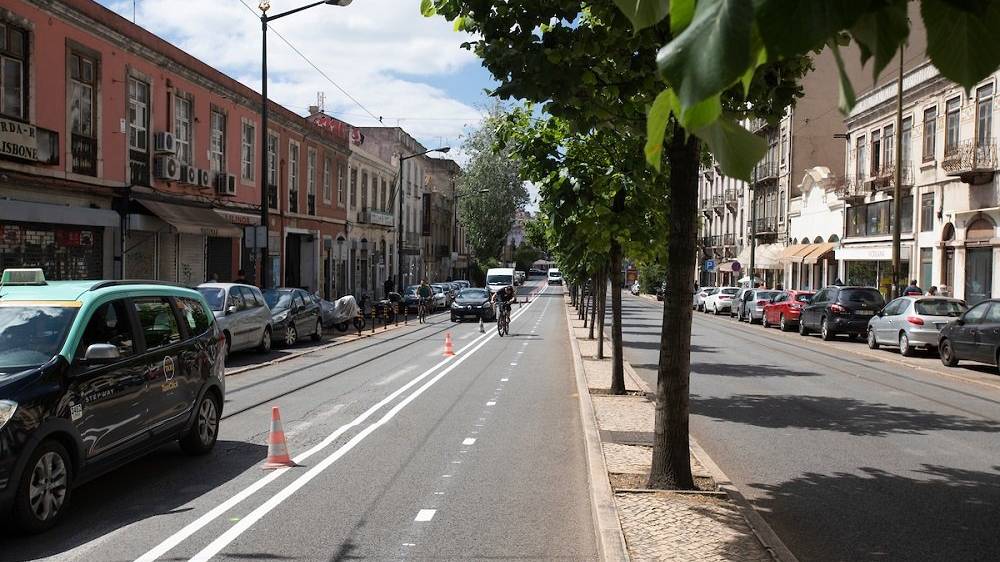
(852, 190)
(974, 163)
(766, 227)
(765, 174)
(884, 179)
(728, 239)
(84, 150)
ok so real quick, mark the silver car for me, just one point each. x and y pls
(241, 313)
(913, 322)
(751, 307)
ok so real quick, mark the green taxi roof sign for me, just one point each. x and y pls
(32, 276)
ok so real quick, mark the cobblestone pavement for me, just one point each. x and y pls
(660, 525)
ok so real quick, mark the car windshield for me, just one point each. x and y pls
(215, 296)
(766, 294)
(869, 297)
(711, 291)
(803, 297)
(940, 307)
(555, 274)
(278, 300)
(505, 279)
(728, 291)
(32, 335)
(472, 294)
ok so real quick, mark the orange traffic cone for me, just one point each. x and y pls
(448, 351)
(277, 450)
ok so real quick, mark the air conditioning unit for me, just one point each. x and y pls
(225, 184)
(204, 178)
(189, 175)
(166, 168)
(164, 143)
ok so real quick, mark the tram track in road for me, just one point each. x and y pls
(808, 354)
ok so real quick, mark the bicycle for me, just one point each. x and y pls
(422, 311)
(503, 319)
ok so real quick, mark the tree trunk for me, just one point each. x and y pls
(671, 447)
(594, 305)
(617, 361)
(585, 309)
(603, 300)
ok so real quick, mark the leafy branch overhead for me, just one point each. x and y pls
(724, 43)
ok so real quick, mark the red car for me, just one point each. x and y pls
(783, 311)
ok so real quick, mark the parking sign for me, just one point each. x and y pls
(709, 265)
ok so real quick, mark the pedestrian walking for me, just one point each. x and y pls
(912, 289)
(388, 286)
(932, 292)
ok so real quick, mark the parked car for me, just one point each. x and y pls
(752, 305)
(294, 315)
(841, 310)
(699, 297)
(555, 277)
(784, 309)
(474, 303)
(737, 309)
(440, 300)
(973, 336)
(463, 284)
(241, 314)
(721, 300)
(913, 322)
(94, 374)
(533, 272)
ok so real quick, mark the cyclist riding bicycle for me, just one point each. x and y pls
(424, 292)
(504, 297)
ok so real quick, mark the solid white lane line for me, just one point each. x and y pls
(504, 380)
(491, 403)
(445, 476)
(425, 515)
(191, 528)
(274, 501)
(468, 441)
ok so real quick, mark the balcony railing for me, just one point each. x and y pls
(974, 163)
(728, 239)
(84, 150)
(311, 203)
(765, 173)
(767, 226)
(293, 201)
(706, 241)
(884, 179)
(852, 190)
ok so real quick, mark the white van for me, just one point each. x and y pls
(499, 277)
(555, 278)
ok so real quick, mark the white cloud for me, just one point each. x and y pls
(380, 51)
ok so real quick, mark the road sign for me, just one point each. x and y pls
(736, 266)
(709, 265)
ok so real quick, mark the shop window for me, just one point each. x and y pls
(13, 78)
(82, 113)
(927, 212)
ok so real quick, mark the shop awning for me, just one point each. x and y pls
(24, 211)
(817, 251)
(767, 256)
(793, 253)
(726, 267)
(193, 220)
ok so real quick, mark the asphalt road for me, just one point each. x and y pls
(404, 454)
(848, 456)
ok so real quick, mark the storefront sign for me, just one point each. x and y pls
(876, 253)
(380, 218)
(239, 218)
(18, 140)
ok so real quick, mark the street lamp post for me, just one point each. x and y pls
(264, 6)
(399, 235)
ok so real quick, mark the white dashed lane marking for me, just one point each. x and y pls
(425, 515)
(491, 403)
(468, 441)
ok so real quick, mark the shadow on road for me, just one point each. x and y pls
(829, 413)
(940, 513)
(728, 370)
(163, 482)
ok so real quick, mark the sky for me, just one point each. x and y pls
(398, 65)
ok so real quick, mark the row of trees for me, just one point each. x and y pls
(634, 95)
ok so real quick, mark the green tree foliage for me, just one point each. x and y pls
(535, 233)
(526, 255)
(490, 189)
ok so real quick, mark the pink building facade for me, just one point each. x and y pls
(123, 156)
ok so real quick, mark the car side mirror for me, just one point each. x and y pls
(231, 310)
(960, 322)
(101, 353)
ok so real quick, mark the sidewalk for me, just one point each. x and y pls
(706, 525)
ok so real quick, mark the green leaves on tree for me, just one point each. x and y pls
(644, 13)
(962, 38)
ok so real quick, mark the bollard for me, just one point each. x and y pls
(374, 319)
(385, 320)
(360, 325)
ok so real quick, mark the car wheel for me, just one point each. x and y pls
(342, 326)
(453, 318)
(265, 341)
(228, 343)
(715, 310)
(947, 354)
(764, 322)
(824, 330)
(803, 331)
(318, 334)
(782, 325)
(904, 345)
(201, 437)
(43, 494)
(291, 336)
(872, 340)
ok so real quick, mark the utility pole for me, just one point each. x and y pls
(753, 234)
(897, 188)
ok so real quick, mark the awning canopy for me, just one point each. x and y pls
(24, 211)
(793, 253)
(817, 251)
(193, 220)
(726, 267)
(767, 256)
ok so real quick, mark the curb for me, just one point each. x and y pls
(760, 528)
(610, 537)
(297, 354)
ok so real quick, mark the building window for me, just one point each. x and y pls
(926, 263)
(930, 131)
(862, 160)
(82, 110)
(217, 146)
(951, 125)
(311, 181)
(327, 180)
(354, 188)
(906, 209)
(876, 153)
(293, 177)
(246, 151)
(856, 218)
(888, 149)
(984, 115)
(385, 194)
(904, 138)
(364, 190)
(879, 218)
(138, 115)
(784, 148)
(183, 132)
(927, 212)
(272, 170)
(781, 207)
(340, 184)
(13, 56)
